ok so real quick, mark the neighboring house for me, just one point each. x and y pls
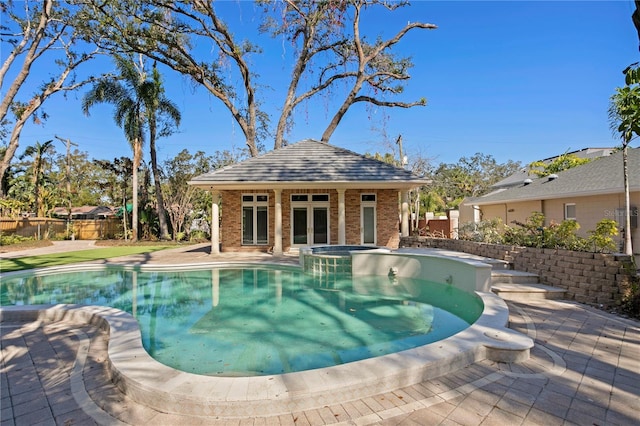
(304, 194)
(518, 177)
(84, 212)
(587, 193)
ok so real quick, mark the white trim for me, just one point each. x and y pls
(566, 215)
(309, 205)
(254, 204)
(363, 206)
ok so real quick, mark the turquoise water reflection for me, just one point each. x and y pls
(259, 321)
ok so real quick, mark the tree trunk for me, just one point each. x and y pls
(9, 153)
(137, 157)
(628, 249)
(342, 110)
(162, 217)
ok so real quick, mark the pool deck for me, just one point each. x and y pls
(584, 369)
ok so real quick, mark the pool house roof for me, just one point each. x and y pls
(309, 164)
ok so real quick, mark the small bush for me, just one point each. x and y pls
(7, 240)
(198, 236)
(563, 236)
(600, 238)
(527, 234)
(486, 231)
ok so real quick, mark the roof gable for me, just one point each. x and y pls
(308, 161)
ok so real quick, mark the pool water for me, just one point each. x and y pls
(261, 321)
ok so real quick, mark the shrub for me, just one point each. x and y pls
(486, 231)
(527, 234)
(198, 236)
(7, 240)
(563, 236)
(600, 238)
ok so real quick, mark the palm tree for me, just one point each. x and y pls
(37, 151)
(126, 94)
(157, 106)
(624, 114)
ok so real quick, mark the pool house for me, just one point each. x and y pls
(308, 193)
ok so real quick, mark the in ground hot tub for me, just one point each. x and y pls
(329, 260)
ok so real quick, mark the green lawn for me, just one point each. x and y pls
(31, 262)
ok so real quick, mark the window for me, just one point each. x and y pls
(368, 219)
(255, 219)
(570, 211)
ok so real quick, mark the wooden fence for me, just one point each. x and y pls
(47, 228)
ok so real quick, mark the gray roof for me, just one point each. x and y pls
(522, 174)
(603, 175)
(309, 163)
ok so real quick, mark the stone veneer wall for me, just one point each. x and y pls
(593, 278)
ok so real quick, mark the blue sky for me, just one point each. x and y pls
(513, 79)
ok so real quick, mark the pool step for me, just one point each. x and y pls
(522, 286)
(513, 277)
(497, 264)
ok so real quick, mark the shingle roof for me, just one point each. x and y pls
(523, 173)
(603, 175)
(309, 162)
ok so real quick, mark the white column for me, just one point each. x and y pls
(277, 244)
(215, 224)
(405, 213)
(454, 221)
(342, 226)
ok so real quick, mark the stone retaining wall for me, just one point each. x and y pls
(592, 278)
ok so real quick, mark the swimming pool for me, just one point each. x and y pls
(253, 321)
(167, 389)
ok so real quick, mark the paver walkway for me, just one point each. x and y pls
(584, 370)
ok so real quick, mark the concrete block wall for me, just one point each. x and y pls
(592, 278)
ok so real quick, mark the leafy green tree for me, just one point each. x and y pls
(562, 162)
(114, 183)
(127, 95)
(624, 115)
(183, 200)
(85, 176)
(39, 153)
(431, 201)
(469, 177)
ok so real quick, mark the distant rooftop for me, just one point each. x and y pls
(604, 175)
(518, 177)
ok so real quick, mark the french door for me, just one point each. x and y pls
(309, 219)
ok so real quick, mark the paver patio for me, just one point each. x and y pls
(584, 370)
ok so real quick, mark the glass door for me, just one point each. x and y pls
(320, 225)
(299, 228)
(309, 219)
